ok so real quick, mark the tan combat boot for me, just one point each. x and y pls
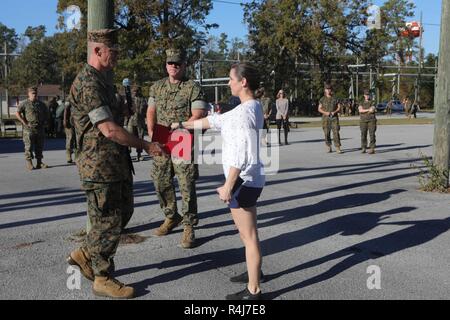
(188, 240)
(69, 157)
(81, 258)
(168, 226)
(371, 151)
(329, 149)
(41, 165)
(30, 165)
(338, 150)
(363, 150)
(110, 287)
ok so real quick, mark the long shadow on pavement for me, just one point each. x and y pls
(352, 224)
(418, 233)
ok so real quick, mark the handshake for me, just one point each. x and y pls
(154, 149)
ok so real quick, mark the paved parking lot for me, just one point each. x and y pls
(350, 226)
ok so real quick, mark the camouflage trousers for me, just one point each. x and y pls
(368, 126)
(329, 125)
(137, 131)
(33, 140)
(70, 140)
(163, 172)
(110, 207)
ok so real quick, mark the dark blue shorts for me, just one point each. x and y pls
(243, 197)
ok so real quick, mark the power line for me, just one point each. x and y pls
(228, 2)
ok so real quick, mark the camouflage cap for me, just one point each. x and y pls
(32, 89)
(367, 92)
(106, 36)
(328, 86)
(175, 55)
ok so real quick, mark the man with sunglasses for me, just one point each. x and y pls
(103, 163)
(175, 99)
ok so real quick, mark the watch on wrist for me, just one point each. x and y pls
(180, 125)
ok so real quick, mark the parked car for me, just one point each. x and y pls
(397, 106)
(381, 107)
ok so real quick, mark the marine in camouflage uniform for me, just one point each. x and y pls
(34, 116)
(266, 104)
(329, 107)
(173, 102)
(104, 165)
(136, 122)
(70, 132)
(367, 123)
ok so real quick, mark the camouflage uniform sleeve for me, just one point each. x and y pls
(151, 103)
(95, 103)
(198, 98)
(21, 108)
(321, 102)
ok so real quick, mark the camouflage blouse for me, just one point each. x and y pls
(93, 100)
(35, 113)
(174, 102)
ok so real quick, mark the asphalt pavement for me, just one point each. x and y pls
(332, 226)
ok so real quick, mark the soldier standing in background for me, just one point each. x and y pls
(33, 114)
(266, 104)
(368, 122)
(329, 107)
(282, 116)
(59, 117)
(70, 133)
(175, 99)
(52, 106)
(136, 122)
(103, 163)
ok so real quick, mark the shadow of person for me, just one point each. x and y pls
(418, 233)
(284, 242)
(338, 203)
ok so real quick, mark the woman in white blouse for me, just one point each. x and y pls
(240, 130)
(282, 116)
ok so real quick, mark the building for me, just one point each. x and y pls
(8, 108)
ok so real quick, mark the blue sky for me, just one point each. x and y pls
(19, 14)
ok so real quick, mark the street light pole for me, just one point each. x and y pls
(100, 16)
(441, 141)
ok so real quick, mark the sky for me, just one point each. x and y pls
(19, 14)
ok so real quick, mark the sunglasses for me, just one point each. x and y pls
(176, 64)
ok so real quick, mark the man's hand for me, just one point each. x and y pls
(154, 149)
(174, 126)
(224, 194)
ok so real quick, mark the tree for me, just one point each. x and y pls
(35, 34)
(287, 32)
(11, 39)
(394, 15)
(150, 27)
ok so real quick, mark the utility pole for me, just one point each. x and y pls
(6, 83)
(441, 141)
(417, 97)
(357, 78)
(6, 55)
(100, 16)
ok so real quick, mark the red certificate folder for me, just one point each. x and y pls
(177, 143)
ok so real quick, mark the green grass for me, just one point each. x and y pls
(355, 122)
